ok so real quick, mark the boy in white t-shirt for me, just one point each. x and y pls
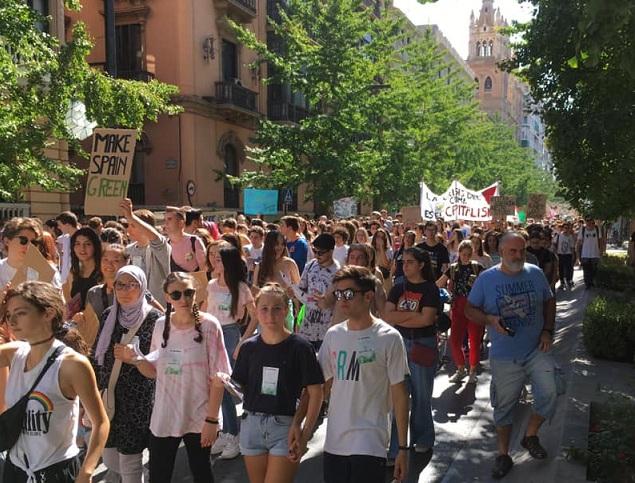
(364, 362)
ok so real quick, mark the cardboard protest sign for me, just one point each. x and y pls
(89, 327)
(260, 202)
(457, 203)
(411, 215)
(345, 207)
(200, 284)
(536, 206)
(502, 206)
(35, 267)
(109, 170)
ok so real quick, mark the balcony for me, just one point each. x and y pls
(285, 112)
(273, 9)
(240, 10)
(138, 75)
(235, 103)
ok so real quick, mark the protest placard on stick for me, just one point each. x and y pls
(501, 206)
(411, 215)
(536, 206)
(109, 170)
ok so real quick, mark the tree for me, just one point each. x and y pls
(381, 118)
(39, 78)
(578, 59)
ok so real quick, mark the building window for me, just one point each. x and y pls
(488, 84)
(231, 193)
(41, 7)
(230, 61)
(129, 50)
(491, 48)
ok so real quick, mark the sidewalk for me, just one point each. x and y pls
(465, 452)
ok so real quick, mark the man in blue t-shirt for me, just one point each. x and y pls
(296, 243)
(515, 302)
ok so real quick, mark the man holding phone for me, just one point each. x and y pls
(514, 300)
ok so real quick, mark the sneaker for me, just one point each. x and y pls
(219, 444)
(458, 376)
(472, 378)
(502, 465)
(419, 448)
(532, 444)
(231, 449)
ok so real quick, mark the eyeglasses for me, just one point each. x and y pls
(24, 240)
(319, 253)
(176, 294)
(346, 294)
(126, 287)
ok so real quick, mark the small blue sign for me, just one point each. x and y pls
(261, 202)
(287, 196)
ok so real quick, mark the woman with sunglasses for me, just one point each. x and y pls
(412, 308)
(133, 392)
(18, 233)
(85, 269)
(187, 352)
(273, 369)
(229, 299)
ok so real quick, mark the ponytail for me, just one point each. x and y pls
(197, 323)
(166, 325)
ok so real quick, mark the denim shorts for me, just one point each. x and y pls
(508, 380)
(264, 433)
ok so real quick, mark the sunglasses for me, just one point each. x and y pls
(320, 252)
(187, 293)
(126, 287)
(24, 240)
(346, 294)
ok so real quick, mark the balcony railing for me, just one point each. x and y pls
(283, 111)
(246, 4)
(273, 9)
(236, 95)
(138, 75)
(12, 210)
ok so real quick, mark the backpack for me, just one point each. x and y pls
(476, 269)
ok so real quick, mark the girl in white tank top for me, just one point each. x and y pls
(45, 451)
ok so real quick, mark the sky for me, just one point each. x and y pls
(453, 16)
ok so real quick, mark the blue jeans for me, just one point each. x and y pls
(420, 386)
(231, 336)
(508, 380)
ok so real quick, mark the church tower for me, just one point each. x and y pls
(499, 93)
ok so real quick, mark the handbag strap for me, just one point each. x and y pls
(49, 363)
(116, 368)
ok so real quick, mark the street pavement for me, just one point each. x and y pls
(465, 434)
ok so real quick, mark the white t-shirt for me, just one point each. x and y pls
(64, 248)
(340, 254)
(184, 371)
(7, 272)
(363, 365)
(219, 302)
(590, 242)
(564, 244)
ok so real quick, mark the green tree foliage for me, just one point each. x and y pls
(578, 59)
(381, 119)
(39, 78)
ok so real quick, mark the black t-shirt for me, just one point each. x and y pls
(463, 277)
(438, 256)
(287, 367)
(413, 297)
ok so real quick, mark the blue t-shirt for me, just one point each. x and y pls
(518, 300)
(298, 251)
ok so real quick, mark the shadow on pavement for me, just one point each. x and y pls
(456, 401)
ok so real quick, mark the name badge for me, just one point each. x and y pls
(365, 350)
(174, 366)
(269, 381)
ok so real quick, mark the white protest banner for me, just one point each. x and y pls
(457, 203)
(345, 207)
(109, 170)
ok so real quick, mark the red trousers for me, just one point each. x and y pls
(461, 324)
